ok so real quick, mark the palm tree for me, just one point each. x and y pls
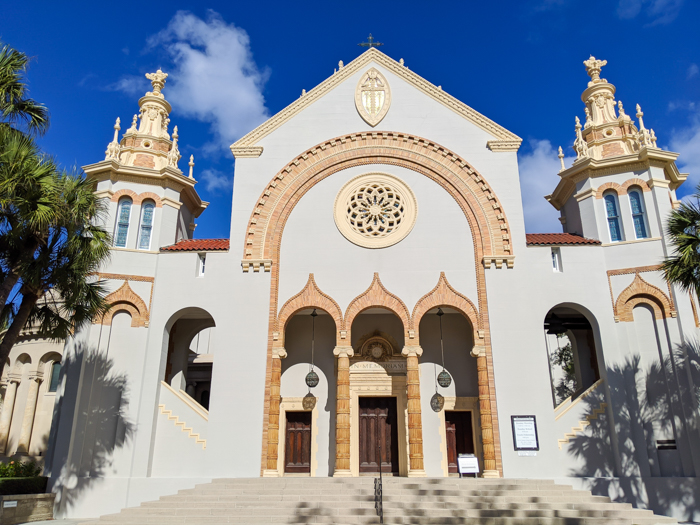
(683, 229)
(17, 111)
(59, 291)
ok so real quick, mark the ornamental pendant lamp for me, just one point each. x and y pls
(437, 401)
(444, 379)
(312, 377)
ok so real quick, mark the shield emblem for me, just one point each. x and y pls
(372, 97)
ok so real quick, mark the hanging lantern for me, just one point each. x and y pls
(312, 377)
(437, 402)
(444, 379)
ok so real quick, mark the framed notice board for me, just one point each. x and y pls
(525, 432)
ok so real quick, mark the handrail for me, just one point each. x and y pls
(187, 399)
(559, 411)
(378, 488)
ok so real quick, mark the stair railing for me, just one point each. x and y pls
(378, 487)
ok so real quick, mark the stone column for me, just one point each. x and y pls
(7, 409)
(415, 423)
(490, 470)
(29, 412)
(342, 413)
(273, 426)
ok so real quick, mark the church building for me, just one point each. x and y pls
(378, 305)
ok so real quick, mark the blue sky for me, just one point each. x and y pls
(233, 64)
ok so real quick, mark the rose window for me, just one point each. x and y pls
(375, 210)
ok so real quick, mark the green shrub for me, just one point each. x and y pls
(17, 486)
(19, 469)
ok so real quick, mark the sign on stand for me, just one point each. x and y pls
(467, 464)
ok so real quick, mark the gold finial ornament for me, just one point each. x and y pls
(157, 81)
(593, 67)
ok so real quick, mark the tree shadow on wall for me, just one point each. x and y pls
(92, 413)
(660, 401)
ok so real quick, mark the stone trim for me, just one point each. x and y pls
(444, 295)
(641, 292)
(481, 206)
(621, 189)
(398, 69)
(246, 152)
(126, 299)
(310, 297)
(137, 198)
(376, 295)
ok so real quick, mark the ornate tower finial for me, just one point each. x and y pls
(157, 81)
(561, 159)
(191, 165)
(113, 147)
(593, 67)
(580, 144)
(620, 109)
(132, 129)
(174, 153)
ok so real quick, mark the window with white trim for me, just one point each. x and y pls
(147, 211)
(202, 263)
(637, 205)
(612, 211)
(123, 216)
(556, 259)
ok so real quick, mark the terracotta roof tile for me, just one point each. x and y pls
(197, 245)
(549, 239)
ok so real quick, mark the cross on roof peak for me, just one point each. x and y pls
(370, 42)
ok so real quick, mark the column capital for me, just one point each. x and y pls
(36, 376)
(14, 378)
(343, 351)
(478, 351)
(412, 350)
(279, 352)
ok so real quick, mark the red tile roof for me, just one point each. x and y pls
(197, 245)
(549, 239)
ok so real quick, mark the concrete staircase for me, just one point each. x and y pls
(406, 501)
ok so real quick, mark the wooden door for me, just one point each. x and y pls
(297, 458)
(378, 427)
(460, 440)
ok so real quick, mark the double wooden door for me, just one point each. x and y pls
(379, 443)
(297, 457)
(460, 439)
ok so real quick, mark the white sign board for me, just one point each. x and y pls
(468, 464)
(9, 504)
(524, 433)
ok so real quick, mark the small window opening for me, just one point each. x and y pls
(123, 215)
(55, 374)
(202, 263)
(556, 260)
(611, 209)
(146, 225)
(637, 206)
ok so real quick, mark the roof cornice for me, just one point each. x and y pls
(505, 140)
(592, 168)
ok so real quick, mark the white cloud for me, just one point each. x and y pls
(693, 71)
(659, 11)
(538, 177)
(215, 180)
(686, 141)
(129, 84)
(214, 78)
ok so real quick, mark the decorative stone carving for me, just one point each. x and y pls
(593, 67)
(376, 349)
(157, 81)
(372, 97)
(375, 210)
(113, 147)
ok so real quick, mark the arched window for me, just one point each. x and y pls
(611, 210)
(55, 374)
(637, 204)
(123, 215)
(147, 209)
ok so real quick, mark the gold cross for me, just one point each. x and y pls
(370, 42)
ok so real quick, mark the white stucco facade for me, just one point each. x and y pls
(194, 373)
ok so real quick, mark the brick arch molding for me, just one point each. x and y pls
(125, 299)
(641, 292)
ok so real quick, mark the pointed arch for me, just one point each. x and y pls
(444, 295)
(310, 296)
(376, 296)
(638, 292)
(614, 186)
(624, 188)
(125, 299)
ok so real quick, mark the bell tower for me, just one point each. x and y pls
(151, 202)
(622, 185)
